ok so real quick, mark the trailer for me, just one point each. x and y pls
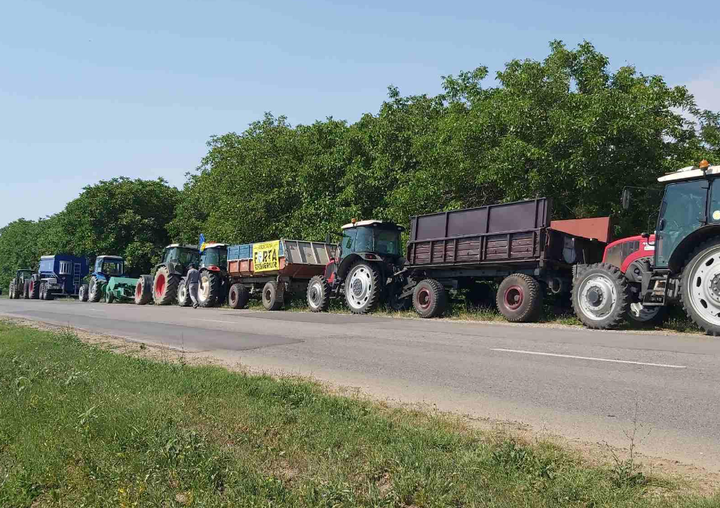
(58, 275)
(274, 271)
(513, 244)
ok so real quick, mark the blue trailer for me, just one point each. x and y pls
(60, 275)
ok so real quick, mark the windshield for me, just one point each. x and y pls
(216, 256)
(112, 267)
(682, 212)
(371, 239)
(25, 274)
(182, 256)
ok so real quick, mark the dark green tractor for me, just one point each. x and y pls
(17, 284)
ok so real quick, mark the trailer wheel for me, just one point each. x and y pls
(519, 298)
(238, 296)
(83, 293)
(318, 294)
(183, 295)
(429, 298)
(600, 296)
(209, 288)
(143, 290)
(272, 296)
(700, 287)
(165, 286)
(362, 287)
(94, 292)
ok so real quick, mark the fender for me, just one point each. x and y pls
(689, 244)
(614, 251)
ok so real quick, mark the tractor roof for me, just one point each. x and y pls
(212, 245)
(193, 247)
(110, 256)
(689, 173)
(370, 222)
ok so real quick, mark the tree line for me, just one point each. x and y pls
(567, 127)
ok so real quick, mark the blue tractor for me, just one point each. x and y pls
(59, 275)
(106, 267)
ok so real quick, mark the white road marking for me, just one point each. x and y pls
(589, 358)
(217, 321)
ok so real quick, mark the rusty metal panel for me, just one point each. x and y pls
(598, 228)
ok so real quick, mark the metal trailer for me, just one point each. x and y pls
(274, 271)
(58, 275)
(511, 243)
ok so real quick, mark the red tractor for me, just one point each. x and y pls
(680, 263)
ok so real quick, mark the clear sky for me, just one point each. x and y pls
(90, 90)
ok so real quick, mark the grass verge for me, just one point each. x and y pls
(82, 426)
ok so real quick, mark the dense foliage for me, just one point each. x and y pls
(567, 127)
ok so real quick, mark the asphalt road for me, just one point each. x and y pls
(587, 385)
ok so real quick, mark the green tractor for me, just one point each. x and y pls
(163, 288)
(18, 284)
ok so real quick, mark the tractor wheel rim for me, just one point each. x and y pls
(233, 296)
(514, 297)
(360, 287)
(424, 298)
(597, 297)
(204, 289)
(703, 293)
(315, 291)
(267, 295)
(160, 286)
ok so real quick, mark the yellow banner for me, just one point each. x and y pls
(266, 256)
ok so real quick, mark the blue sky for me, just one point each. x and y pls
(90, 90)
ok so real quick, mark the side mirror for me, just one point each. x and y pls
(626, 198)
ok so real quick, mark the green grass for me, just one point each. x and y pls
(83, 426)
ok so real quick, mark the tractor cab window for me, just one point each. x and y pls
(682, 212)
(215, 256)
(364, 239)
(387, 242)
(348, 241)
(25, 275)
(112, 268)
(182, 256)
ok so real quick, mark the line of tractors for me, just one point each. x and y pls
(509, 255)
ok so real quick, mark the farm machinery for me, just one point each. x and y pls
(680, 263)
(213, 286)
(18, 287)
(108, 282)
(163, 286)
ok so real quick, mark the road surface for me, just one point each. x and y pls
(581, 384)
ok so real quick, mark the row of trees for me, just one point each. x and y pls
(566, 127)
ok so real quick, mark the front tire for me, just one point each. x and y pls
(700, 287)
(362, 287)
(429, 298)
(600, 296)
(183, 294)
(318, 294)
(11, 291)
(165, 286)
(83, 293)
(519, 298)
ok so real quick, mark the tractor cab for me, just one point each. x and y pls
(213, 256)
(107, 266)
(23, 275)
(372, 240)
(179, 257)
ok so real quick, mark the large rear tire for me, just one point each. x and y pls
(362, 287)
(318, 294)
(600, 296)
(34, 289)
(26, 290)
(700, 287)
(11, 291)
(209, 288)
(238, 296)
(519, 298)
(165, 286)
(272, 296)
(94, 290)
(143, 290)
(429, 298)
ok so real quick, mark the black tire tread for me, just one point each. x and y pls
(620, 312)
(439, 298)
(689, 312)
(534, 294)
(325, 301)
